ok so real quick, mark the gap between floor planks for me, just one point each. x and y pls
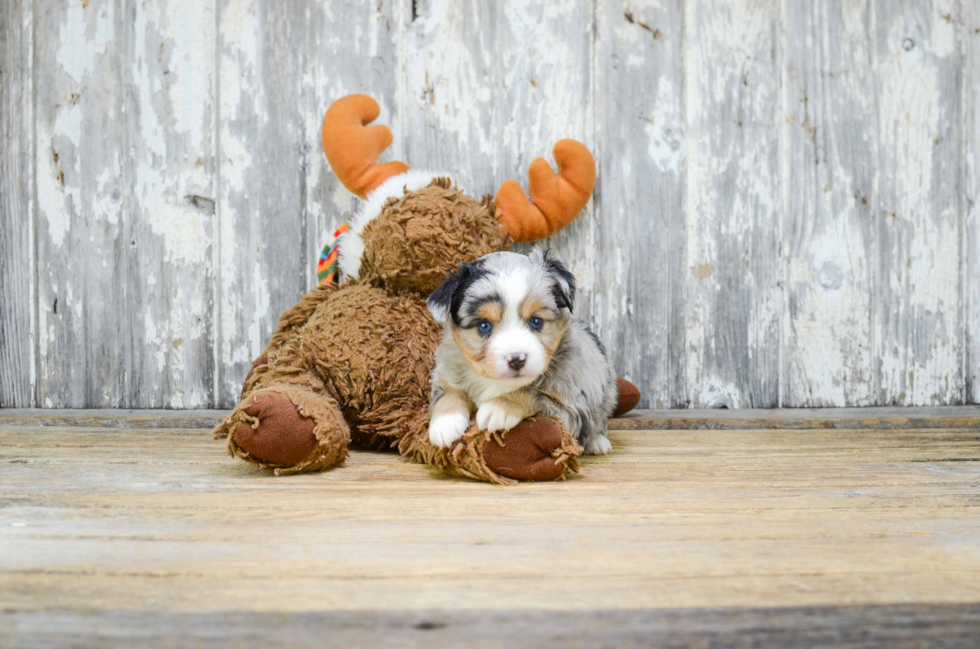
(695, 419)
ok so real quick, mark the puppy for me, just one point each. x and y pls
(512, 349)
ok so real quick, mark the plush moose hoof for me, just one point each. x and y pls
(280, 435)
(528, 451)
(629, 396)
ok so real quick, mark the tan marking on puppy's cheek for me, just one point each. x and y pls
(473, 348)
(530, 306)
(552, 338)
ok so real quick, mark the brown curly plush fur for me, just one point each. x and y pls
(350, 366)
(421, 238)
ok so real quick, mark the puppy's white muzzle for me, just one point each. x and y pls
(517, 354)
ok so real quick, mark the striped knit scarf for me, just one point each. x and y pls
(327, 267)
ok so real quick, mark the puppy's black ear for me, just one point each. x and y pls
(563, 282)
(446, 299)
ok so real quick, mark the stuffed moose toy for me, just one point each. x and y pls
(349, 365)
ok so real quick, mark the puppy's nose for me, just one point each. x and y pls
(516, 361)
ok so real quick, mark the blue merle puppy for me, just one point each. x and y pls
(512, 349)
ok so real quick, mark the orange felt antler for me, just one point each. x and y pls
(353, 148)
(556, 199)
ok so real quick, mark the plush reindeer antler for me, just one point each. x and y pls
(353, 149)
(556, 199)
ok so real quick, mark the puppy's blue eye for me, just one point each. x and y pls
(485, 327)
(535, 323)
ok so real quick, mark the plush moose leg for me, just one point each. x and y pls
(536, 449)
(287, 419)
(289, 429)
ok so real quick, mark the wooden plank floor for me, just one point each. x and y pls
(133, 535)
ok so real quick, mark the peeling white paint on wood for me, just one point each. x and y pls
(732, 103)
(828, 236)
(785, 212)
(17, 328)
(919, 80)
(970, 210)
(123, 153)
(639, 239)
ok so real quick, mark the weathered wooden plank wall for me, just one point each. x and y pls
(17, 344)
(918, 158)
(970, 197)
(123, 223)
(827, 224)
(785, 214)
(641, 240)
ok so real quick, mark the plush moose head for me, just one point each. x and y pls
(415, 228)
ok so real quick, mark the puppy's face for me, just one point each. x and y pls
(507, 313)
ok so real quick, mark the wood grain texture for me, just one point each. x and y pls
(828, 237)
(17, 369)
(124, 197)
(734, 304)
(640, 239)
(108, 527)
(681, 419)
(918, 217)
(785, 212)
(897, 626)
(969, 26)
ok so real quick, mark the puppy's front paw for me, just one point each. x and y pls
(444, 430)
(494, 415)
(598, 445)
